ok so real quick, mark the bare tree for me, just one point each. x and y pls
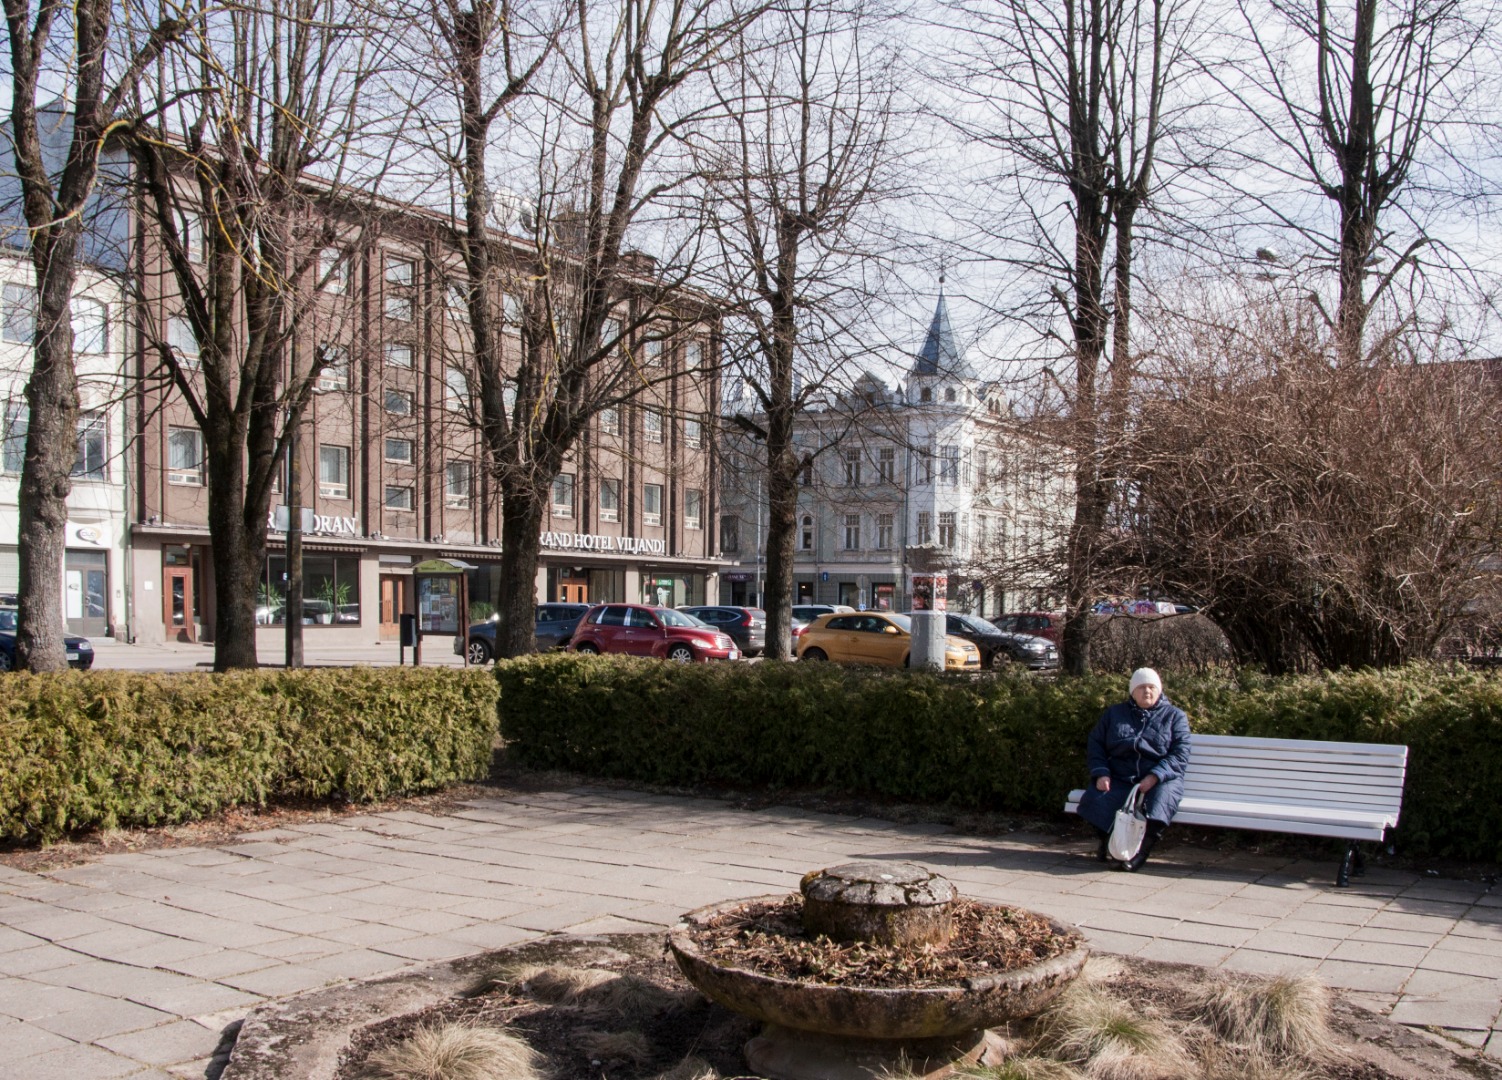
(1370, 108)
(1327, 515)
(246, 173)
(95, 50)
(1076, 98)
(798, 176)
(605, 118)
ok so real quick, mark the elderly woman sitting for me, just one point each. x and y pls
(1143, 740)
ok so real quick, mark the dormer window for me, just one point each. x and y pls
(925, 395)
(949, 394)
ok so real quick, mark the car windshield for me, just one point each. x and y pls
(8, 620)
(979, 625)
(670, 617)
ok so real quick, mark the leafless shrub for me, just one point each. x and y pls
(454, 1052)
(1189, 642)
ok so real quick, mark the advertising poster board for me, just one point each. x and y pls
(929, 592)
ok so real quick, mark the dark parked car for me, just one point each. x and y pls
(80, 650)
(555, 624)
(998, 647)
(651, 631)
(809, 612)
(748, 625)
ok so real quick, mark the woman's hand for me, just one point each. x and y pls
(1148, 782)
(1102, 783)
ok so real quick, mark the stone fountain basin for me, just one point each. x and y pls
(874, 1012)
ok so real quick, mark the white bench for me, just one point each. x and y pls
(1350, 791)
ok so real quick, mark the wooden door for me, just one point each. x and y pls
(573, 590)
(177, 603)
(393, 604)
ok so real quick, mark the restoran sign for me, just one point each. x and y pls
(626, 545)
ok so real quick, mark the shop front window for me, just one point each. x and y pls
(330, 591)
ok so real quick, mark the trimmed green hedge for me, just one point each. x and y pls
(110, 749)
(1010, 744)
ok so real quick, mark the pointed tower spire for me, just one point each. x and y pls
(940, 355)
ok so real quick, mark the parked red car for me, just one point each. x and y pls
(1044, 624)
(651, 631)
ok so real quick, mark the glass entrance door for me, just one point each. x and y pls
(177, 600)
(86, 593)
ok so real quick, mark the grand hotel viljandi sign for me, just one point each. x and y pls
(624, 545)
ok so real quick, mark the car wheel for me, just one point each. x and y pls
(680, 654)
(479, 652)
(814, 654)
(5, 661)
(587, 647)
(1000, 660)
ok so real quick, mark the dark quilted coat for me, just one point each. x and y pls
(1126, 744)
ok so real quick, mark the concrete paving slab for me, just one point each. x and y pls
(75, 1060)
(168, 1044)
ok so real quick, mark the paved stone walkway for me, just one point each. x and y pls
(137, 965)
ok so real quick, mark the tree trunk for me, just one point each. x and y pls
(51, 451)
(782, 529)
(239, 558)
(521, 551)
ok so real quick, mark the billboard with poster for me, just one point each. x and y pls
(929, 592)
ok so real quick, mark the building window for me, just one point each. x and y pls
(983, 467)
(398, 497)
(333, 472)
(610, 421)
(692, 353)
(398, 355)
(610, 500)
(925, 527)
(652, 351)
(455, 389)
(399, 275)
(90, 326)
(456, 295)
(398, 402)
(333, 270)
(651, 504)
(93, 450)
(511, 309)
(949, 394)
(651, 422)
(949, 465)
(806, 534)
(925, 394)
(925, 467)
(946, 529)
(457, 477)
(852, 468)
(399, 451)
(333, 368)
(18, 313)
(191, 235)
(730, 533)
(563, 495)
(17, 422)
(185, 456)
(693, 509)
(331, 590)
(852, 532)
(181, 341)
(886, 464)
(806, 478)
(884, 532)
(693, 434)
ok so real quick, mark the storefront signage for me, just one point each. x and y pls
(314, 524)
(626, 545)
(84, 534)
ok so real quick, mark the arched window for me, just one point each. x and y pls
(806, 534)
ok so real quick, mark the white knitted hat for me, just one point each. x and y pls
(1145, 676)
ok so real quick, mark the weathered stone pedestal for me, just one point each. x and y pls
(816, 1031)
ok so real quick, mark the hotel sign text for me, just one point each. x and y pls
(626, 545)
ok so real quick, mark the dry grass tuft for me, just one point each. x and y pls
(454, 1052)
(1243, 1064)
(1289, 1015)
(631, 996)
(555, 985)
(628, 1047)
(1107, 1039)
(690, 1068)
(1026, 1068)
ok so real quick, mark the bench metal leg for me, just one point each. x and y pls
(1351, 861)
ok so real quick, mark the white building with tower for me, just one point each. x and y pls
(938, 462)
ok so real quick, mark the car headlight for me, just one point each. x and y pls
(84, 646)
(1036, 647)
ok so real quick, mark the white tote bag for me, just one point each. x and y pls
(1130, 827)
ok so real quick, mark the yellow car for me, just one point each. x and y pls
(876, 637)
